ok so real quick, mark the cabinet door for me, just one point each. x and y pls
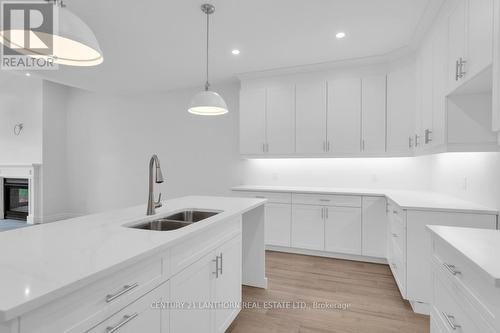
(252, 121)
(401, 108)
(419, 246)
(280, 116)
(480, 36)
(308, 227)
(374, 227)
(456, 41)
(228, 284)
(139, 316)
(373, 114)
(439, 85)
(311, 117)
(427, 91)
(192, 286)
(278, 224)
(496, 68)
(344, 115)
(343, 230)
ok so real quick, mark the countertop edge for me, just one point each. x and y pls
(495, 281)
(375, 193)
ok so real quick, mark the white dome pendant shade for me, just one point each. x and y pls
(74, 43)
(207, 102)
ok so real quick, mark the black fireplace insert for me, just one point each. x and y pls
(16, 198)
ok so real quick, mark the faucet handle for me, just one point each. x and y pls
(158, 203)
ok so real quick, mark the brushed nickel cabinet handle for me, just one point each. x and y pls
(216, 273)
(457, 74)
(451, 321)
(452, 269)
(126, 288)
(125, 321)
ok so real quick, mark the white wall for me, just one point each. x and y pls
(54, 169)
(111, 138)
(470, 176)
(20, 102)
(394, 173)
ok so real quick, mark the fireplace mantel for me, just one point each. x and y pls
(32, 173)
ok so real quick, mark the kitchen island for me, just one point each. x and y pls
(97, 274)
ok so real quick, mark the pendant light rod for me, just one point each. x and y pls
(207, 9)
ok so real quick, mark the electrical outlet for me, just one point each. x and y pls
(464, 184)
(374, 178)
(275, 176)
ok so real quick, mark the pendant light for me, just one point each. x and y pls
(207, 102)
(74, 43)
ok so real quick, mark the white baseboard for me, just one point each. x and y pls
(352, 257)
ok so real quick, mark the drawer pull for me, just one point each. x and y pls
(125, 321)
(260, 197)
(395, 235)
(324, 200)
(450, 319)
(395, 211)
(451, 269)
(127, 288)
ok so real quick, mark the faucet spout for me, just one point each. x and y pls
(154, 162)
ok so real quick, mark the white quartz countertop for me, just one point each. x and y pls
(480, 247)
(413, 200)
(44, 262)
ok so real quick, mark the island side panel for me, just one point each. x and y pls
(254, 254)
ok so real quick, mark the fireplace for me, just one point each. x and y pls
(16, 198)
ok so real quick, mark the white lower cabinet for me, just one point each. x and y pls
(343, 230)
(374, 227)
(203, 290)
(140, 316)
(228, 284)
(278, 224)
(308, 227)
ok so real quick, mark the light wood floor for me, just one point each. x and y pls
(375, 303)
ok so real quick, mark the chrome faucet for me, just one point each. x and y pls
(152, 204)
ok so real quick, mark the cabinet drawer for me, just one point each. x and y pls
(327, 200)
(195, 248)
(484, 297)
(397, 232)
(85, 308)
(397, 262)
(455, 312)
(272, 197)
(140, 316)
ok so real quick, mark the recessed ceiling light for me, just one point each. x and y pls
(235, 52)
(28, 74)
(340, 35)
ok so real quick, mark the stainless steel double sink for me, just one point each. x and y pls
(176, 221)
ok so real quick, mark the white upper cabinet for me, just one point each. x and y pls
(496, 68)
(310, 135)
(480, 36)
(439, 72)
(344, 116)
(252, 121)
(267, 120)
(280, 115)
(470, 40)
(456, 43)
(373, 106)
(401, 98)
(427, 85)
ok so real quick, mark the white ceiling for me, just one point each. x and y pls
(159, 44)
